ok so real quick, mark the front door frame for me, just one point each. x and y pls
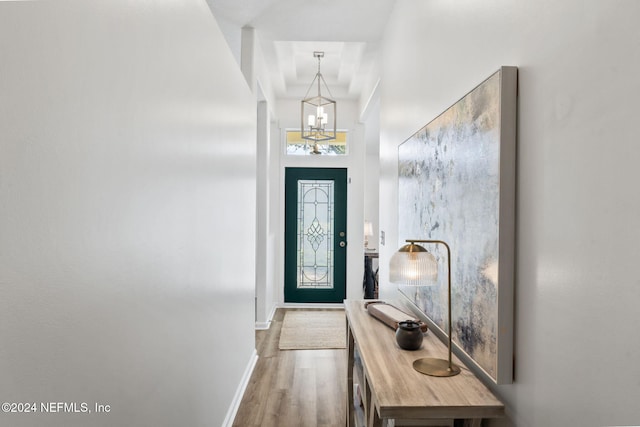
(338, 293)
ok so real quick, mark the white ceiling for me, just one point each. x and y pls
(348, 31)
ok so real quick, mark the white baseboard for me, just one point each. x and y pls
(244, 382)
(261, 326)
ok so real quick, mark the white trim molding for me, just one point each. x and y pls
(261, 326)
(338, 305)
(237, 398)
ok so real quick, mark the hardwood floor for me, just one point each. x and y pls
(293, 388)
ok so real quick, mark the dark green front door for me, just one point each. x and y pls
(315, 234)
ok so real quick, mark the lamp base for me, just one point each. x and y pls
(435, 367)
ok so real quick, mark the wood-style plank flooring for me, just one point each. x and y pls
(293, 388)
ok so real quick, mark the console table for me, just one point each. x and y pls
(392, 389)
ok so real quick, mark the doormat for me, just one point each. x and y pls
(311, 330)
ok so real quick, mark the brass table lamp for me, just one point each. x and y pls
(414, 265)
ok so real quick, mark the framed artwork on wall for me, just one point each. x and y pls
(456, 182)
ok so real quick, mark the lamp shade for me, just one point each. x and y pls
(368, 228)
(413, 265)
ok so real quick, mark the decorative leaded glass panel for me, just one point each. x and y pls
(315, 234)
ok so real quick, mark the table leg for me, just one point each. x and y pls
(373, 419)
(350, 414)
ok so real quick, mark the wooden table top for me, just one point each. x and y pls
(400, 391)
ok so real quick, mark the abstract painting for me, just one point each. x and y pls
(456, 182)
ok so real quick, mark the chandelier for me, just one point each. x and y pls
(318, 113)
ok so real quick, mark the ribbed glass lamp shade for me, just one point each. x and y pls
(413, 265)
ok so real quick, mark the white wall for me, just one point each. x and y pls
(231, 31)
(577, 197)
(265, 301)
(371, 196)
(127, 177)
(254, 67)
(257, 77)
(372, 170)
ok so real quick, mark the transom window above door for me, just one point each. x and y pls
(297, 146)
